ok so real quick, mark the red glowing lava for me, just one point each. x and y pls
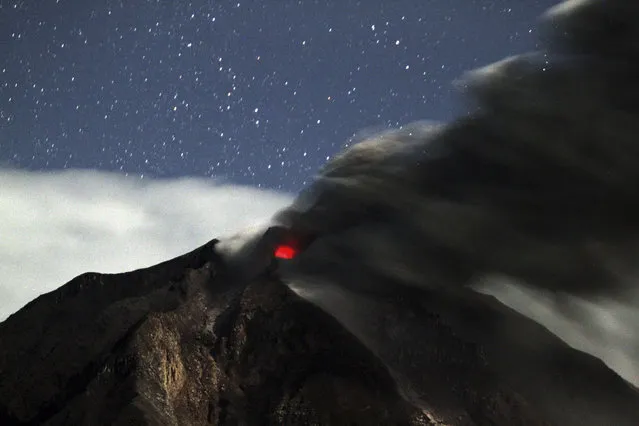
(285, 252)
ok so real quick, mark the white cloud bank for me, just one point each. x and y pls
(55, 226)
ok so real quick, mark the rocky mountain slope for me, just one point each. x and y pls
(176, 344)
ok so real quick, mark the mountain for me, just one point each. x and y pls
(179, 344)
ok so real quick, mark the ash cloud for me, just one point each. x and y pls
(536, 186)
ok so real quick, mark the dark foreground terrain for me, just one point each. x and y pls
(150, 347)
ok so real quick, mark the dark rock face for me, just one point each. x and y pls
(153, 347)
(150, 347)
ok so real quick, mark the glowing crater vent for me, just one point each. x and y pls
(285, 252)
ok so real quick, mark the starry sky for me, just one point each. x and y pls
(257, 93)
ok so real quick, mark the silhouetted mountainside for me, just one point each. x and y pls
(176, 344)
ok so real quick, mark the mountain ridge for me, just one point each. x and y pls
(179, 343)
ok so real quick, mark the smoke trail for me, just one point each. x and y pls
(536, 186)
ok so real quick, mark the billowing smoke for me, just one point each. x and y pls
(531, 197)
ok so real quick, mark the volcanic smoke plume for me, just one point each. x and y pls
(532, 196)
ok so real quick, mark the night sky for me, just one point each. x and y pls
(257, 93)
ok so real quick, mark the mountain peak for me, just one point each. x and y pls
(178, 344)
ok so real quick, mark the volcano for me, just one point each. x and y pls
(179, 344)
